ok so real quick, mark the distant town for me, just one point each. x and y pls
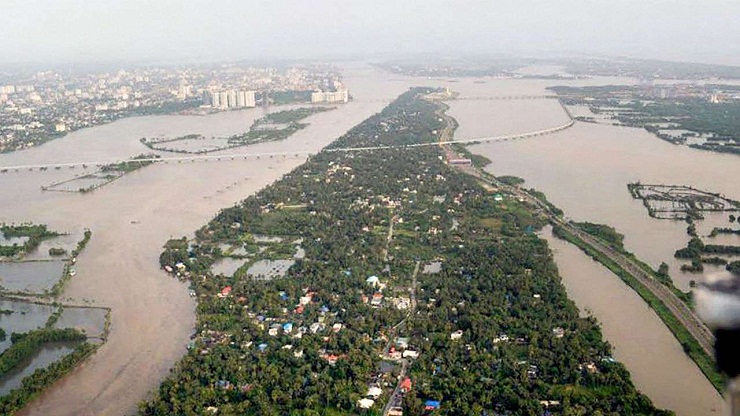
(48, 104)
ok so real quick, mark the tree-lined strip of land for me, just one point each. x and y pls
(492, 331)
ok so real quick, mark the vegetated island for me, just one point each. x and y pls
(703, 117)
(415, 279)
(103, 176)
(272, 127)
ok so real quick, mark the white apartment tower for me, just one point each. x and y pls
(230, 99)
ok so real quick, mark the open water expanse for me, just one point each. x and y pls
(583, 170)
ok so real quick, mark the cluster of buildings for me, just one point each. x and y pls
(229, 99)
(36, 107)
(331, 97)
(676, 92)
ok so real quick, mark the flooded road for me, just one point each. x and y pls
(131, 218)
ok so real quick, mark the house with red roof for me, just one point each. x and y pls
(406, 385)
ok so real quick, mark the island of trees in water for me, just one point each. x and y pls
(272, 127)
(486, 328)
(701, 116)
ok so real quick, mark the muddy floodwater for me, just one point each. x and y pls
(21, 317)
(30, 276)
(584, 170)
(90, 321)
(152, 315)
(656, 360)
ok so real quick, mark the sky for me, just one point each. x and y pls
(81, 31)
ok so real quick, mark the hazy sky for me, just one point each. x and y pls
(163, 30)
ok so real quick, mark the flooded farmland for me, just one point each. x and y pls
(44, 357)
(30, 276)
(22, 317)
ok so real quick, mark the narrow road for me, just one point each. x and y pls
(389, 238)
(396, 399)
(678, 308)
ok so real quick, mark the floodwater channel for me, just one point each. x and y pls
(640, 340)
(152, 315)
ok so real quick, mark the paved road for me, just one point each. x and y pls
(678, 308)
(302, 154)
(396, 398)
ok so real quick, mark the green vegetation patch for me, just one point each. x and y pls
(35, 233)
(690, 345)
(246, 357)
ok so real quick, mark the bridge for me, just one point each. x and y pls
(246, 156)
(481, 98)
(507, 97)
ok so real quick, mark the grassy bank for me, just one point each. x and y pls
(689, 344)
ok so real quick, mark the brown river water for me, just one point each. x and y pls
(584, 170)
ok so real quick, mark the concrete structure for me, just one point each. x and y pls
(341, 96)
(365, 403)
(229, 99)
(223, 98)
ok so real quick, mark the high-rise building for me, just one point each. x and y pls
(249, 99)
(215, 99)
(232, 99)
(223, 99)
(341, 96)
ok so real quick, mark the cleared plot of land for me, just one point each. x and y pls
(227, 266)
(268, 269)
